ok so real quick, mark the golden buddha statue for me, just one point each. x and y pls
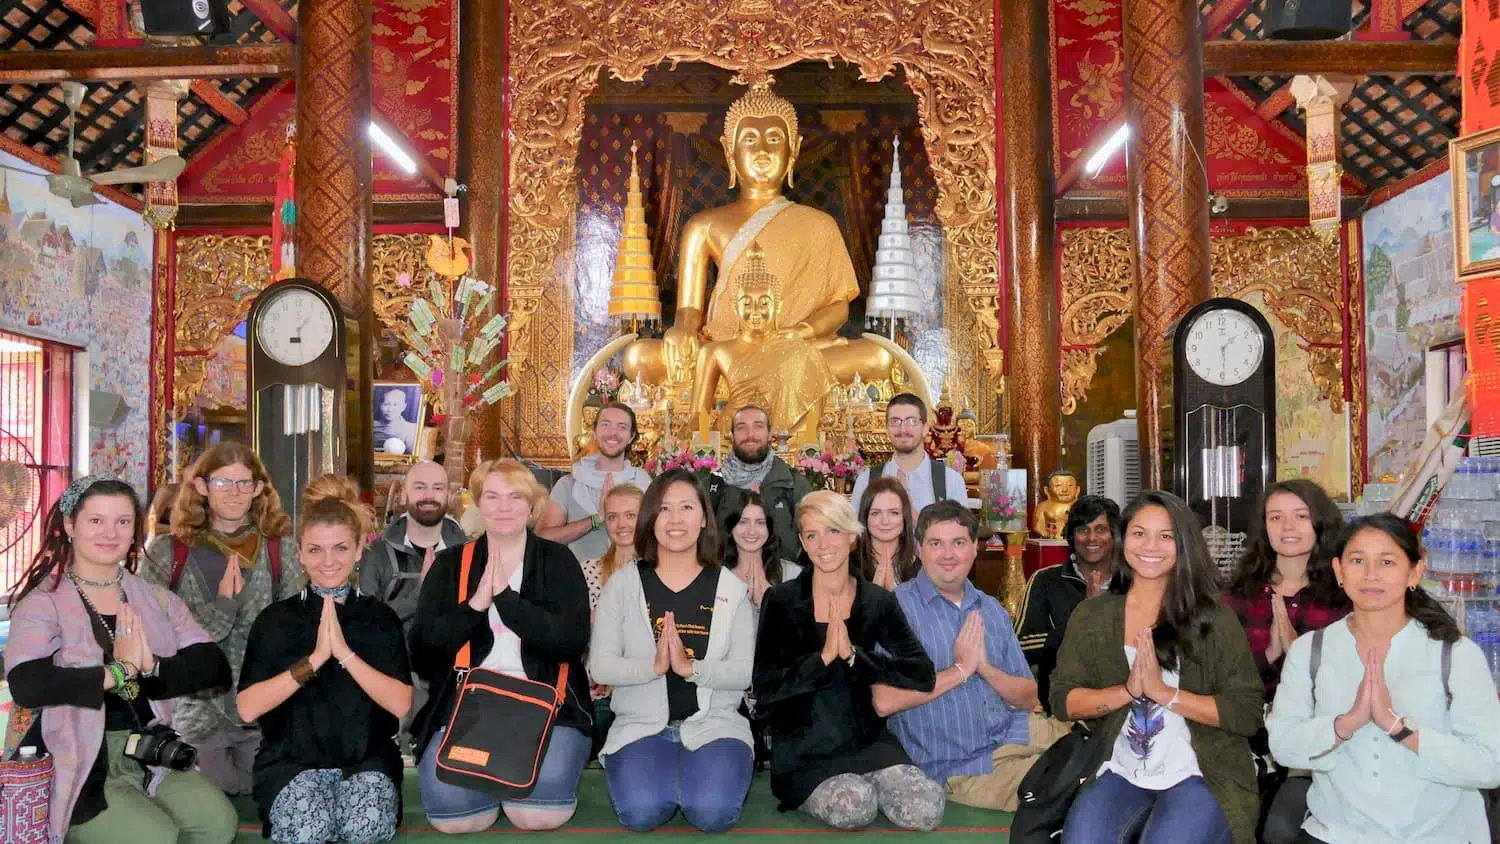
(1052, 515)
(785, 375)
(802, 246)
(978, 454)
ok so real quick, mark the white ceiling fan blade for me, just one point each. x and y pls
(162, 170)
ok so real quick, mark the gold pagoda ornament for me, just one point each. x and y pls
(634, 298)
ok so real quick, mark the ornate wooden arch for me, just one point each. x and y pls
(558, 48)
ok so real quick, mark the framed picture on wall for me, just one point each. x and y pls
(1474, 165)
(398, 416)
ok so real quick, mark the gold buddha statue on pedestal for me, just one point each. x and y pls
(801, 246)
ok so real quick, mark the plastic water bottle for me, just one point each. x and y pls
(1487, 578)
(1438, 557)
(1466, 560)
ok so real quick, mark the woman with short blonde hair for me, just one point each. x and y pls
(526, 614)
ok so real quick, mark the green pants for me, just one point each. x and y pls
(187, 808)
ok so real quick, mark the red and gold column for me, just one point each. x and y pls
(481, 168)
(1030, 271)
(333, 180)
(1167, 194)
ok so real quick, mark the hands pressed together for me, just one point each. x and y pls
(968, 649)
(1372, 702)
(671, 655)
(233, 581)
(1283, 634)
(1145, 679)
(836, 644)
(754, 576)
(131, 648)
(492, 582)
(330, 644)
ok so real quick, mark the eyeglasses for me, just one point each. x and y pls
(909, 422)
(246, 486)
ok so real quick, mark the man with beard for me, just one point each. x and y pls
(926, 478)
(1053, 592)
(394, 565)
(573, 516)
(752, 466)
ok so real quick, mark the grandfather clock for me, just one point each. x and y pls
(1223, 418)
(297, 382)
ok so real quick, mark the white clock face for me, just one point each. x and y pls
(1224, 347)
(295, 327)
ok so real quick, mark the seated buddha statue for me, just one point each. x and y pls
(802, 246)
(1051, 516)
(786, 375)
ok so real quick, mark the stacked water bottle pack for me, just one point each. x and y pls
(1462, 540)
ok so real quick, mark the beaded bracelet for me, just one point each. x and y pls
(302, 671)
(117, 671)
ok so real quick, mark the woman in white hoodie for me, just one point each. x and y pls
(674, 634)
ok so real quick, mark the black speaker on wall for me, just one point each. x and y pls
(185, 17)
(1308, 20)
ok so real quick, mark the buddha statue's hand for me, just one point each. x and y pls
(680, 343)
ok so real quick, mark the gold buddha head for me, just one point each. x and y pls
(760, 138)
(758, 293)
(1062, 487)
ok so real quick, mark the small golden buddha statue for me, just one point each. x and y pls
(783, 374)
(802, 246)
(978, 454)
(1052, 515)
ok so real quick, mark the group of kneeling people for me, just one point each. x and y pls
(870, 700)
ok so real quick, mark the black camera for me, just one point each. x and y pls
(160, 746)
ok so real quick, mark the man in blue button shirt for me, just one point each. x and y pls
(976, 730)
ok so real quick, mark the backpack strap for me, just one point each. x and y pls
(179, 562)
(1312, 664)
(1447, 672)
(939, 480)
(464, 567)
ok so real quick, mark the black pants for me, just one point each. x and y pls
(1287, 812)
(1307, 838)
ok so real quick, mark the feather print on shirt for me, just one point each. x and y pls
(1147, 719)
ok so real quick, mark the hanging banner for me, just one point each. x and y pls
(1319, 101)
(161, 141)
(1479, 66)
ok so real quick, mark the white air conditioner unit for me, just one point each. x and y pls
(1114, 454)
(1484, 447)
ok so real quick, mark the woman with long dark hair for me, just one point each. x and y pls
(887, 550)
(327, 678)
(751, 548)
(1161, 672)
(1284, 584)
(674, 637)
(100, 654)
(1392, 710)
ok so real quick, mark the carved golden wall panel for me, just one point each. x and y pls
(218, 278)
(1297, 272)
(558, 48)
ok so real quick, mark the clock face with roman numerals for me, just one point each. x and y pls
(1224, 347)
(295, 328)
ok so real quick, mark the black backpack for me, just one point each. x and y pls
(1047, 791)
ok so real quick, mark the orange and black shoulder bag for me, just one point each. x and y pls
(498, 734)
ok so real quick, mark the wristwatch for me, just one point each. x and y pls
(1408, 726)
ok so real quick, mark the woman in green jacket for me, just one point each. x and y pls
(1162, 673)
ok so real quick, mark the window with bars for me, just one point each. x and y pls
(36, 444)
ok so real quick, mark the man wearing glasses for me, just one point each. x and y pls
(927, 479)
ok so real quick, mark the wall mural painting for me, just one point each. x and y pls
(1412, 301)
(82, 276)
(1287, 273)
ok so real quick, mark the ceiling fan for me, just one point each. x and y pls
(71, 185)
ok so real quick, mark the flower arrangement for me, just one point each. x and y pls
(826, 470)
(702, 460)
(1004, 506)
(606, 385)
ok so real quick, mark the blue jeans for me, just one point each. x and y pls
(651, 778)
(556, 782)
(1110, 810)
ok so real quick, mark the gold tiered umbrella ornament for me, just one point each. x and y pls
(634, 298)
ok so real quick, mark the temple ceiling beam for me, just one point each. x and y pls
(143, 63)
(258, 214)
(1354, 58)
(1112, 209)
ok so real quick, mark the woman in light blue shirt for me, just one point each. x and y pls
(1366, 706)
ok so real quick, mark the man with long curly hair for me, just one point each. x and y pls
(229, 555)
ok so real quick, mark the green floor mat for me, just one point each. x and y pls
(596, 818)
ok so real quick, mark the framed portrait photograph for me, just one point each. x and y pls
(398, 417)
(1474, 165)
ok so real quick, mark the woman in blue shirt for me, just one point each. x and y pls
(1366, 705)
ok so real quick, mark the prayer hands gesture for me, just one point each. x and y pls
(233, 580)
(754, 575)
(968, 648)
(491, 583)
(671, 655)
(1145, 673)
(1372, 702)
(130, 640)
(1096, 581)
(885, 575)
(1283, 634)
(609, 481)
(836, 644)
(330, 644)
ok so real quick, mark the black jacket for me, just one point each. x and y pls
(782, 490)
(1051, 596)
(821, 718)
(550, 614)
